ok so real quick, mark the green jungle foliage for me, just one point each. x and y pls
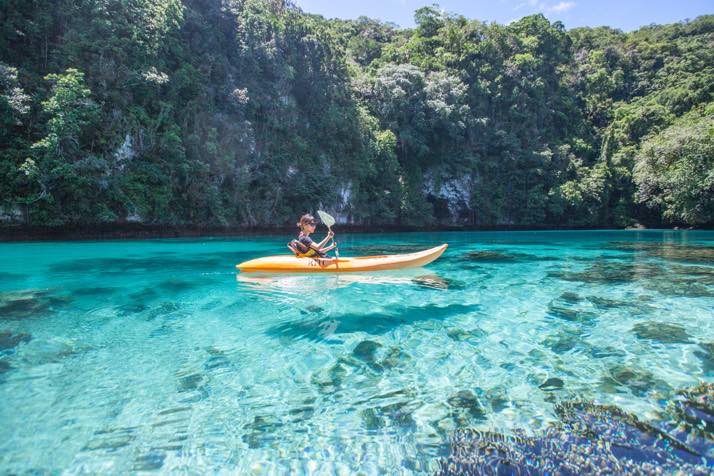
(251, 112)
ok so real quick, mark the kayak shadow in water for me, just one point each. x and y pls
(319, 327)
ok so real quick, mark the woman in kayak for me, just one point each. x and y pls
(304, 246)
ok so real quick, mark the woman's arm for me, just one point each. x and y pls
(323, 242)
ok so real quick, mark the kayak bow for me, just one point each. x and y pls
(293, 264)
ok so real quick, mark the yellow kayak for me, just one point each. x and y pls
(293, 264)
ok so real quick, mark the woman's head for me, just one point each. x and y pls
(307, 223)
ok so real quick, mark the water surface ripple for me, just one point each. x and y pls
(129, 356)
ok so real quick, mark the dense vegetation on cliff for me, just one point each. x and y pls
(249, 112)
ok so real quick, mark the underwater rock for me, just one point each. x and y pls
(689, 253)
(190, 382)
(329, 380)
(570, 314)
(16, 305)
(111, 439)
(606, 303)
(704, 274)
(639, 381)
(564, 341)
(151, 461)
(706, 355)
(371, 420)
(218, 359)
(465, 407)
(605, 352)
(570, 297)
(672, 286)
(393, 358)
(552, 384)
(9, 341)
(311, 309)
(262, 431)
(395, 415)
(434, 281)
(587, 439)
(458, 334)
(610, 273)
(663, 332)
(366, 351)
(491, 256)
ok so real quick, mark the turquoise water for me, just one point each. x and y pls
(127, 356)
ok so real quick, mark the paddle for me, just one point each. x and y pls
(328, 220)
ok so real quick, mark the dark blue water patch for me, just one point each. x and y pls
(371, 323)
(4, 368)
(12, 277)
(122, 266)
(177, 285)
(500, 257)
(94, 291)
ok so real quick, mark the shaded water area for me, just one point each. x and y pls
(155, 355)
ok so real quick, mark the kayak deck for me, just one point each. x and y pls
(293, 264)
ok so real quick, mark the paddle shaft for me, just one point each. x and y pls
(337, 250)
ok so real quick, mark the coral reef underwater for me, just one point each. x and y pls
(596, 439)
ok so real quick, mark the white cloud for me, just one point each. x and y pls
(541, 6)
(561, 7)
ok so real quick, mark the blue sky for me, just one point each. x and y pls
(624, 14)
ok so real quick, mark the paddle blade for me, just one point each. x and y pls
(326, 218)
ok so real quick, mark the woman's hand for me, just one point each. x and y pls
(330, 234)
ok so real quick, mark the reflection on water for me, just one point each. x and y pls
(156, 356)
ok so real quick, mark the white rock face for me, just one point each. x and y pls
(126, 151)
(456, 192)
(134, 218)
(345, 197)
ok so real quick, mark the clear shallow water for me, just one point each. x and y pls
(155, 355)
